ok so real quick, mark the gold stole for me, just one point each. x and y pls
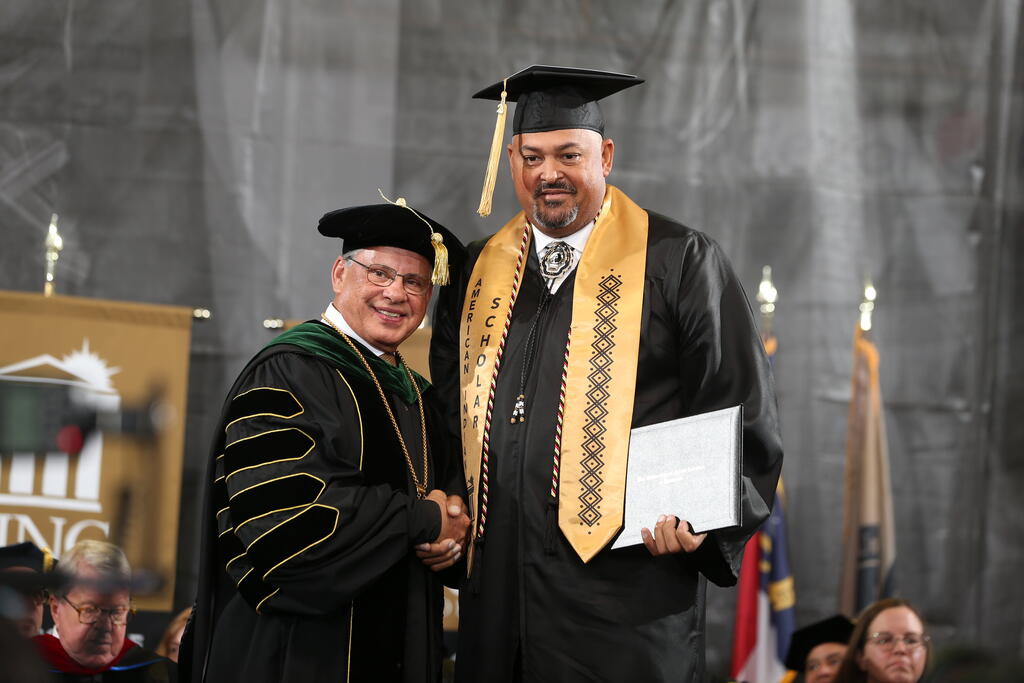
(604, 343)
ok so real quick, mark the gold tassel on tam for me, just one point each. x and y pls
(439, 276)
(491, 177)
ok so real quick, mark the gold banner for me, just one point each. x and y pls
(117, 360)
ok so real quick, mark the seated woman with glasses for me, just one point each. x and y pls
(888, 645)
(91, 617)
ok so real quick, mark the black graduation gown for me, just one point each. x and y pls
(533, 611)
(327, 590)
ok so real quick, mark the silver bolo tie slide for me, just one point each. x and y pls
(555, 261)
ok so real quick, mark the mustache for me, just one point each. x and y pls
(563, 185)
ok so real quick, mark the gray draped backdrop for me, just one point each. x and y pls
(189, 148)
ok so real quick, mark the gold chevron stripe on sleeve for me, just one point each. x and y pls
(263, 401)
(266, 448)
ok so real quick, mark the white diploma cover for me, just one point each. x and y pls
(691, 468)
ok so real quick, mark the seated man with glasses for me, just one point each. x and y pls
(90, 616)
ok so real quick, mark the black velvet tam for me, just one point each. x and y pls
(558, 97)
(835, 629)
(21, 555)
(387, 225)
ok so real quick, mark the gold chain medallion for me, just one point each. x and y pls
(421, 487)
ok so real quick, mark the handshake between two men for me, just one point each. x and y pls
(670, 535)
(455, 525)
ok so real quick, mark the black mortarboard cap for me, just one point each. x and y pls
(835, 629)
(557, 97)
(547, 98)
(394, 225)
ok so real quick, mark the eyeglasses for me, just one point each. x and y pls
(382, 276)
(887, 641)
(90, 614)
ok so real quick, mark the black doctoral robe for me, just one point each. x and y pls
(307, 571)
(532, 610)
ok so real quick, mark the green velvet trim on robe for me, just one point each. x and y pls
(326, 343)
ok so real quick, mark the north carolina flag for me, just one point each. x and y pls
(869, 540)
(765, 600)
(765, 604)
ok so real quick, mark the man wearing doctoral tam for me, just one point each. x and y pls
(22, 570)
(583, 317)
(328, 480)
(817, 650)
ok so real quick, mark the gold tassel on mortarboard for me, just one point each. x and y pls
(491, 176)
(440, 274)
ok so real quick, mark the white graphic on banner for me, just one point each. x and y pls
(88, 378)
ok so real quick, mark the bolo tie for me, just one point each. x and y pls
(555, 261)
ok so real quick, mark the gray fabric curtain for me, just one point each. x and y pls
(189, 149)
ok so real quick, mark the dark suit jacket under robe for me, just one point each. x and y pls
(533, 611)
(307, 572)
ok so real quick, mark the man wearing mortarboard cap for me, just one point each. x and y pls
(660, 329)
(326, 474)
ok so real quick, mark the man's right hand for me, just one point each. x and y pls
(447, 549)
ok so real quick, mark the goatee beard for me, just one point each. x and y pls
(557, 222)
(561, 220)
